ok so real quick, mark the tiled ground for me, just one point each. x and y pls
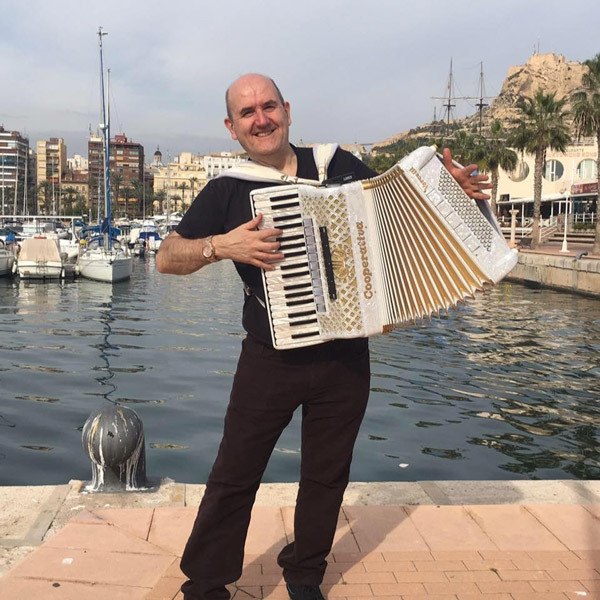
(516, 552)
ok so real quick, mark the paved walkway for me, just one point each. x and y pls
(505, 541)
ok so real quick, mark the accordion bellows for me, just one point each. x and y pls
(365, 257)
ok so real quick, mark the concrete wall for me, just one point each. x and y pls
(563, 272)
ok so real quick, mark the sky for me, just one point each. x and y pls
(353, 71)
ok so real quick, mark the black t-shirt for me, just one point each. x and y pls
(224, 204)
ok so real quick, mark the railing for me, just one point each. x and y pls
(547, 232)
(584, 217)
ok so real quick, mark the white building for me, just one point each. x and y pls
(181, 179)
(16, 173)
(216, 163)
(569, 183)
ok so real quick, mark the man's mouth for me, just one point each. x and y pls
(264, 133)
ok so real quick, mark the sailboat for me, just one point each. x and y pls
(103, 257)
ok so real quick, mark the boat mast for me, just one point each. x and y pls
(481, 104)
(25, 198)
(105, 127)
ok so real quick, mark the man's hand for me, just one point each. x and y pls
(472, 184)
(246, 244)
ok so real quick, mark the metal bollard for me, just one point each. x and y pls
(113, 439)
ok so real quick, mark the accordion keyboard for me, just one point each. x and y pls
(294, 288)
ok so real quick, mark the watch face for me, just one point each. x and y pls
(207, 251)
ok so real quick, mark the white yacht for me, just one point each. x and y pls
(103, 260)
(103, 257)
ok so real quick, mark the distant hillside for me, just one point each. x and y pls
(550, 72)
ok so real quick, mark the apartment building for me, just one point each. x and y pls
(50, 171)
(17, 176)
(126, 170)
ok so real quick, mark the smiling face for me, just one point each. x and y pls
(258, 118)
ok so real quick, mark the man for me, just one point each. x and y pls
(329, 381)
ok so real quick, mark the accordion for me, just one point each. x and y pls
(365, 257)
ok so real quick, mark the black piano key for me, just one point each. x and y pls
(286, 218)
(290, 275)
(283, 247)
(283, 197)
(307, 334)
(298, 294)
(285, 226)
(305, 322)
(297, 286)
(300, 265)
(286, 206)
(292, 303)
(287, 254)
(290, 238)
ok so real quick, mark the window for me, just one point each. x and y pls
(553, 170)
(587, 169)
(520, 173)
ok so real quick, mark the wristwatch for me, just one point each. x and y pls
(208, 250)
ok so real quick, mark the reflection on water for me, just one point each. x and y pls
(506, 387)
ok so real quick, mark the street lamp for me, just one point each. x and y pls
(565, 249)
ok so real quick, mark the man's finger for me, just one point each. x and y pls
(253, 223)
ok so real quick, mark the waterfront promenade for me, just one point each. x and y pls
(501, 540)
(576, 270)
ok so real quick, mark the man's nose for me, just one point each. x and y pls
(261, 117)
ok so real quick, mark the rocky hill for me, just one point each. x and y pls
(550, 72)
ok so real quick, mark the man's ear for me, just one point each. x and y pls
(288, 110)
(229, 124)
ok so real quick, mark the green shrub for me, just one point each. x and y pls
(584, 226)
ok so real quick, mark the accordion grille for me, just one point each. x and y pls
(344, 315)
(424, 267)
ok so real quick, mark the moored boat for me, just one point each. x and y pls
(40, 258)
(104, 258)
(99, 262)
(7, 259)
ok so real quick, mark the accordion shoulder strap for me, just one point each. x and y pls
(323, 154)
(251, 171)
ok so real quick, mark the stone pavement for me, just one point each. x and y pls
(487, 540)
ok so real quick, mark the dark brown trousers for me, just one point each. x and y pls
(331, 384)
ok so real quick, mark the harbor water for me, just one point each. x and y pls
(505, 387)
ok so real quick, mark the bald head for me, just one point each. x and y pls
(244, 80)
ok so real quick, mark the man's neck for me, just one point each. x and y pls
(286, 162)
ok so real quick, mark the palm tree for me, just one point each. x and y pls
(586, 118)
(182, 186)
(542, 125)
(116, 181)
(69, 196)
(43, 192)
(492, 154)
(158, 202)
(463, 146)
(138, 194)
(193, 182)
(128, 192)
